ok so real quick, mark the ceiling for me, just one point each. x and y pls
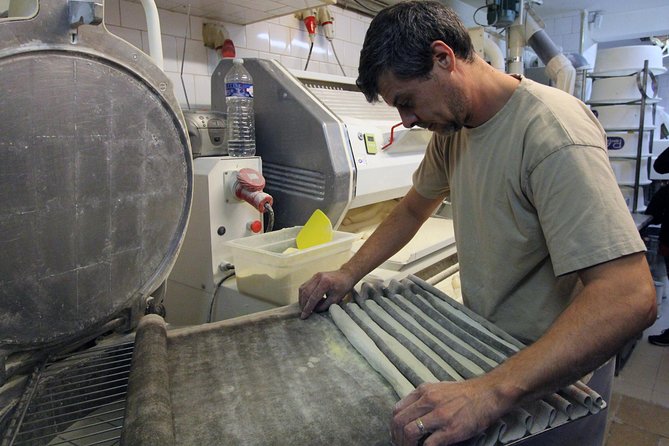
(551, 8)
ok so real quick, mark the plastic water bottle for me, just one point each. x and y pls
(241, 132)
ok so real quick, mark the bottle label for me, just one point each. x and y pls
(239, 89)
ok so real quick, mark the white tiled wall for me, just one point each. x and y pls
(282, 38)
(565, 31)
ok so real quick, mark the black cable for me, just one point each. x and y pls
(183, 58)
(474, 16)
(226, 275)
(270, 217)
(311, 48)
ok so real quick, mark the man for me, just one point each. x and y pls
(536, 213)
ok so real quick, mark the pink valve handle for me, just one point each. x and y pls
(249, 186)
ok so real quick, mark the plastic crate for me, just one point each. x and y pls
(263, 269)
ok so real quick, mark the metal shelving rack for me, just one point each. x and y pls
(642, 83)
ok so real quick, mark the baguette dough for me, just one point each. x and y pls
(400, 356)
(366, 347)
(433, 361)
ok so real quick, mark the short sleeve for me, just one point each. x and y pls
(582, 212)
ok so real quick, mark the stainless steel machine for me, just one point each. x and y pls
(206, 130)
(323, 146)
(95, 187)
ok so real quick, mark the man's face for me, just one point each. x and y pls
(429, 103)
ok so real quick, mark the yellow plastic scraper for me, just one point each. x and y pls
(316, 231)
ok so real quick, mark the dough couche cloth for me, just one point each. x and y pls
(263, 379)
(272, 379)
(411, 332)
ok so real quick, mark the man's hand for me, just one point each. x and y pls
(323, 290)
(449, 412)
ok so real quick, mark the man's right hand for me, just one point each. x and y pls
(323, 290)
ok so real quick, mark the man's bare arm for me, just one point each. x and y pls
(616, 303)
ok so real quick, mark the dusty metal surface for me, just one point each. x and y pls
(95, 178)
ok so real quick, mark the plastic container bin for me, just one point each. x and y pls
(625, 171)
(626, 60)
(264, 271)
(623, 117)
(625, 144)
(618, 90)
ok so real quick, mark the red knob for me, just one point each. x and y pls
(255, 226)
(250, 179)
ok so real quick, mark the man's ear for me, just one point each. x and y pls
(442, 55)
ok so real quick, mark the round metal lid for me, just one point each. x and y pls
(95, 191)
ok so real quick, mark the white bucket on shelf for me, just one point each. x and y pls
(624, 144)
(628, 195)
(617, 90)
(626, 60)
(625, 170)
(659, 146)
(623, 117)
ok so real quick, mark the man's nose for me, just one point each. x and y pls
(408, 119)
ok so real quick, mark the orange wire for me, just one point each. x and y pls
(392, 135)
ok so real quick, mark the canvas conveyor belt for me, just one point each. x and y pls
(271, 378)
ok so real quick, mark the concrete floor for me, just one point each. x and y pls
(639, 411)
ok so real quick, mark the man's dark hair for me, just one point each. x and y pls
(399, 39)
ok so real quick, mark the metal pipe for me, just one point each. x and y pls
(639, 149)
(153, 28)
(516, 47)
(494, 53)
(584, 25)
(543, 45)
(558, 67)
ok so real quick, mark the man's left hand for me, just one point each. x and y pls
(447, 412)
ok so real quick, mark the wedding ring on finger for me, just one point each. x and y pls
(421, 426)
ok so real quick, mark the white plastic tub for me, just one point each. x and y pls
(625, 170)
(264, 271)
(624, 144)
(617, 90)
(626, 60)
(623, 117)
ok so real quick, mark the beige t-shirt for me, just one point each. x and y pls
(534, 200)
